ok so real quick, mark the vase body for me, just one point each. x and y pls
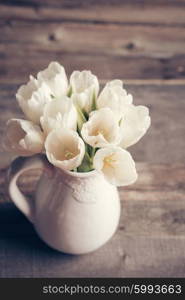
(72, 212)
(76, 212)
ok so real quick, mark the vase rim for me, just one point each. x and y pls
(79, 174)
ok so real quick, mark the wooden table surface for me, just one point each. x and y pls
(143, 43)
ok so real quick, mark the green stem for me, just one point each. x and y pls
(87, 156)
(81, 119)
(93, 102)
(93, 152)
(69, 92)
(86, 164)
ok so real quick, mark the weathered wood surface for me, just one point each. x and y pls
(113, 39)
(152, 222)
(139, 11)
(17, 69)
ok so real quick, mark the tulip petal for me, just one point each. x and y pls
(134, 124)
(116, 164)
(23, 137)
(59, 113)
(84, 86)
(32, 98)
(115, 97)
(55, 77)
(101, 130)
(64, 148)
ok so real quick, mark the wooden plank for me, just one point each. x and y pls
(110, 51)
(155, 181)
(81, 3)
(137, 12)
(104, 66)
(109, 39)
(22, 254)
(156, 202)
(74, 3)
(164, 141)
(29, 257)
(30, 38)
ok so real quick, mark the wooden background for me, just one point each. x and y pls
(142, 43)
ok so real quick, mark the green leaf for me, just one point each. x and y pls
(69, 92)
(85, 114)
(81, 118)
(119, 123)
(86, 165)
(93, 107)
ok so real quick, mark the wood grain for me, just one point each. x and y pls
(145, 12)
(110, 39)
(104, 66)
(122, 256)
(113, 39)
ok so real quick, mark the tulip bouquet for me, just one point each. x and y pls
(77, 127)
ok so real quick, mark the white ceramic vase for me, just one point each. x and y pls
(72, 212)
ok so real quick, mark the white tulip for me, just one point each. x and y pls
(102, 129)
(23, 137)
(116, 164)
(59, 113)
(115, 97)
(134, 124)
(83, 102)
(55, 77)
(84, 87)
(32, 98)
(64, 148)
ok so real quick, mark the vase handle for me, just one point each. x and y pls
(17, 168)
